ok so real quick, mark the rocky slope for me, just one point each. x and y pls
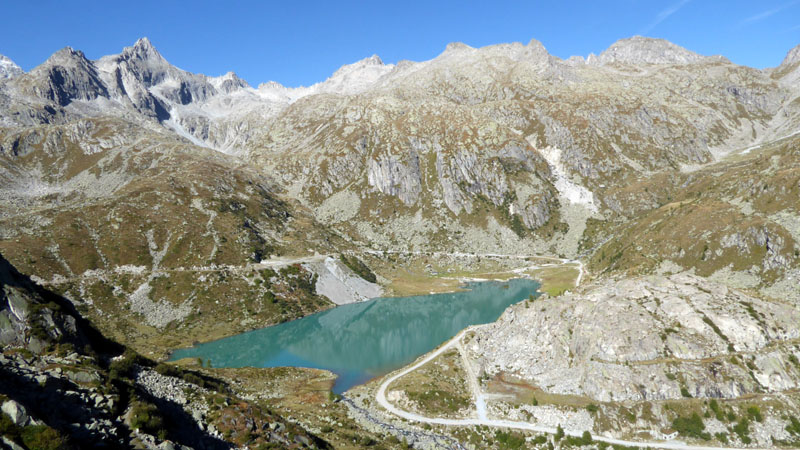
(735, 222)
(494, 148)
(652, 344)
(107, 398)
(682, 325)
(143, 230)
(501, 123)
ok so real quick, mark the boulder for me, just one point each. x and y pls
(10, 444)
(16, 412)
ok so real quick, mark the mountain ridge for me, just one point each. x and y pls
(637, 50)
(504, 106)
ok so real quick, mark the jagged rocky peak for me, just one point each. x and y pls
(576, 60)
(536, 52)
(67, 57)
(143, 49)
(644, 50)
(535, 47)
(373, 60)
(348, 79)
(66, 76)
(141, 61)
(228, 83)
(8, 69)
(142, 68)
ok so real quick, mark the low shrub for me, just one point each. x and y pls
(794, 426)
(559, 433)
(692, 426)
(146, 417)
(42, 437)
(357, 266)
(509, 440)
(122, 368)
(584, 439)
(742, 429)
(717, 410)
(8, 428)
(539, 440)
(754, 413)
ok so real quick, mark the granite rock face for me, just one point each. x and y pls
(65, 77)
(29, 317)
(647, 338)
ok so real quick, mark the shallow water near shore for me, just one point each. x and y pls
(360, 341)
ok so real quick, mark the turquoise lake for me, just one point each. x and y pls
(363, 340)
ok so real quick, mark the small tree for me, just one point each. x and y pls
(559, 433)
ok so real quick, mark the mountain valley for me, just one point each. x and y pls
(654, 192)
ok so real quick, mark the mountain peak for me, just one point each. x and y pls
(792, 57)
(67, 75)
(68, 58)
(536, 44)
(64, 55)
(8, 69)
(456, 47)
(353, 78)
(229, 76)
(143, 49)
(373, 60)
(535, 49)
(789, 70)
(645, 50)
(228, 83)
(144, 43)
(369, 64)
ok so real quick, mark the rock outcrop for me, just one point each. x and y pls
(642, 50)
(65, 384)
(648, 338)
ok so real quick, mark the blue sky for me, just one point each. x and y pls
(299, 43)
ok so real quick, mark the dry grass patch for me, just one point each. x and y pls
(437, 389)
(556, 280)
